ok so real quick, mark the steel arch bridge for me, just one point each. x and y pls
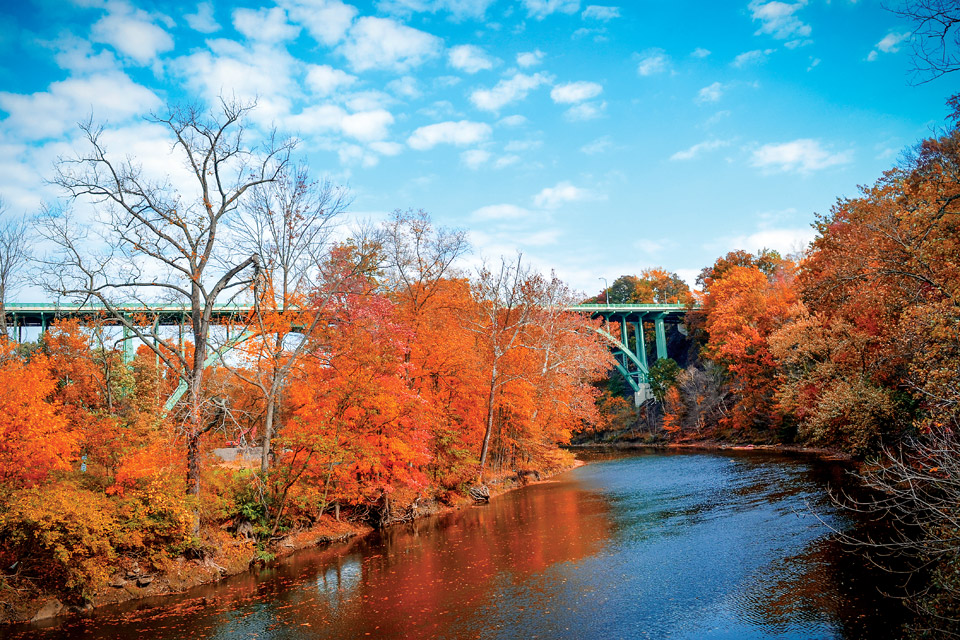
(634, 362)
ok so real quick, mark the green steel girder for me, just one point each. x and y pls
(213, 357)
(661, 335)
(634, 378)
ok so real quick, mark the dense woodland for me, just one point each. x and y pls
(377, 374)
(853, 346)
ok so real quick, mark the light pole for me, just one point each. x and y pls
(606, 289)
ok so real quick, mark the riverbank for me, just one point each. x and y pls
(714, 445)
(231, 556)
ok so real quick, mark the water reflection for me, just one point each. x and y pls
(655, 545)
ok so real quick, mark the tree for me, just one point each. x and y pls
(14, 256)
(161, 245)
(653, 285)
(35, 437)
(935, 36)
(504, 311)
(287, 222)
(766, 260)
(742, 309)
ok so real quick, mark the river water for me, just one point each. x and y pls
(653, 545)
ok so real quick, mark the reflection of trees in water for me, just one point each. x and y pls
(828, 581)
(420, 578)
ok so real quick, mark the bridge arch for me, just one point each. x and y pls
(633, 363)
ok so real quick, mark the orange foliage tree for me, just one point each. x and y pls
(742, 309)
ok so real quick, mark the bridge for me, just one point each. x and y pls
(21, 315)
(632, 358)
(630, 348)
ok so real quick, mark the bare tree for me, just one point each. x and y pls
(915, 489)
(288, 224)
(506, 309)
(150, 243)
(935, 36)
(417, 256)
(14, 256)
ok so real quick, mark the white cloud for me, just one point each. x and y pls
(507, 91)
(556, 196)
(653, 61)
(458, 9)
(540, 9)
(506, 161)
(381, 43)
(530, 58)
(802, 156)
(387, 148)
(697, 149)
(597, 146)
(49, 113)
(599, 12)
(264, 25)
(325, 80)
(203, 20)
(405, 87)
(785, 241)
(711, 93)
(365, 126)
(469, 58)
(574, 92)
(475, 158)
(889, 44)
(585, 111)
(459, 133)
(700, 52)
(501, 212)
(777, 18)
(513, 121)
(254, 71)
(75, 54)
(326, 20)
(132, 33)
(367, 100)
(352, 154)
(751, 57)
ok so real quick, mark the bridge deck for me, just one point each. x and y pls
(41, 314)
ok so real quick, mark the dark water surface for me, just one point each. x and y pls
(691, 545)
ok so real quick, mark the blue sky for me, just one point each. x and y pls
(597, 139)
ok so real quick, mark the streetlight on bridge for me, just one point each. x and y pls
(606, 289)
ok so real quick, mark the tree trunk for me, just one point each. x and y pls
(491, 396)
(267, 435)
(193, 464)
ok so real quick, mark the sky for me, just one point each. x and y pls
(598, 140)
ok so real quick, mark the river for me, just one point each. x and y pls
(651, 545)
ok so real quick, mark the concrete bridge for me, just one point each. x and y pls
(633, 355)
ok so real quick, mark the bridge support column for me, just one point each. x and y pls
(641, 341)
(661, 333)
(128, 352)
